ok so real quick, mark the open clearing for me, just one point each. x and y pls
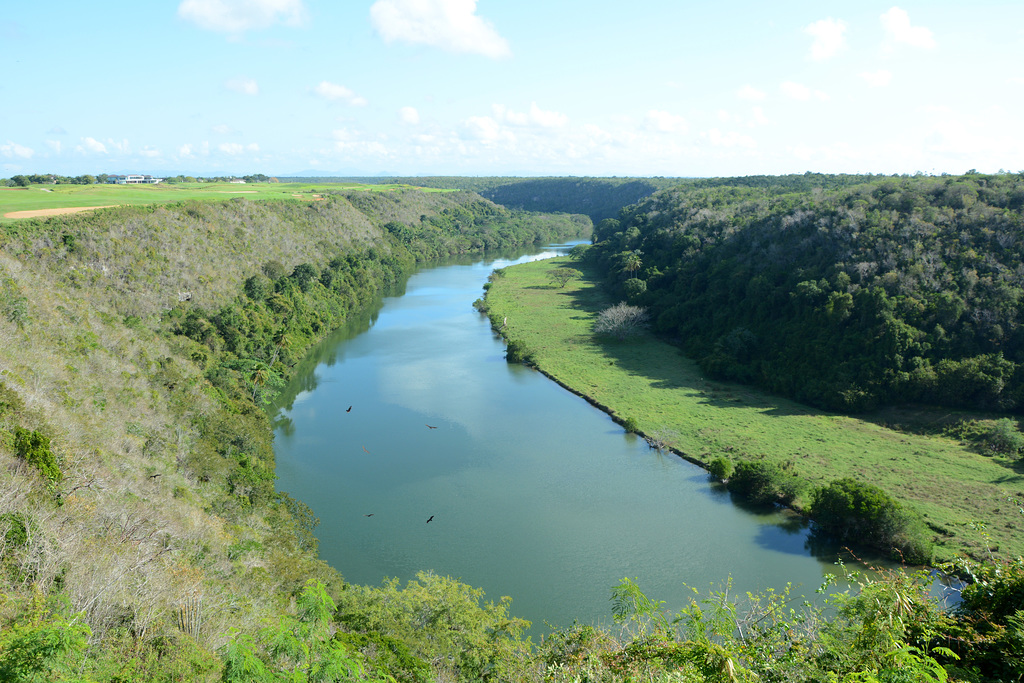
(53, 212)
(37, 201)
(968, 499)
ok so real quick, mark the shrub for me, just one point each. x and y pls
(258, 287)
(34, 448)
(630, 425)
(720, 468)
(518, 352)
(273, 269)
(1003, 437)
(634, 288)
(863, 513)
(764, 482)
(14, 528)
(305, 274)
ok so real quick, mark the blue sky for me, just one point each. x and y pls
(532, 87)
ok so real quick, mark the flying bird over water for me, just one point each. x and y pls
(431, 427)
(369, 515)
(431, 517)
(364, 448)
(349, 409)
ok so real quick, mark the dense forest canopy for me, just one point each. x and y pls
(843, 292)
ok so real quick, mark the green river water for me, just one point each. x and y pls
(533, 492)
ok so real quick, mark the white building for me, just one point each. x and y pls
(133, 179)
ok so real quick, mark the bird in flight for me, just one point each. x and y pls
(369, 515)
(431, 427)
(364, 448)
(349, 409)
(431, 517)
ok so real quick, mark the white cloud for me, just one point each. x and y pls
(828, 38)
(185, 151)
(877, 79)
(409, 115)
(757, 117)
(223, 129)
(730, 139)
(535, 117)
(334, 92)
(546, 119)
(487, 130)
(150, 153)
(452, 25)
(896, 23)
(234, 148)
(245, 86)
(354, 143)
(94, 145)
(665, 122)
(13, 149)
(798, 91)
(55, 145)
(749, 92)
(238, 16)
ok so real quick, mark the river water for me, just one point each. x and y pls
(420, 448)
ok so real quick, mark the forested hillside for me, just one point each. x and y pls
(848, 294)
(598, 198)
(141, 536)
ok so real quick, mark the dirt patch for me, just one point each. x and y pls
(54, 212)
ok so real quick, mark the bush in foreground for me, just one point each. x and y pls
(865, 514)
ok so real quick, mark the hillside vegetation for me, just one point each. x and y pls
(888, 292)
(138, 515)
(598, 198)
(142, 539)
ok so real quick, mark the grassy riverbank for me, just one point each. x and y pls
(966, 498)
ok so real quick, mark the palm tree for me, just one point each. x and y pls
(632, 262)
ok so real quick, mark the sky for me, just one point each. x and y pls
(673, 88)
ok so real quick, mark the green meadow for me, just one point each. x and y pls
(42, 197)
(969, 500)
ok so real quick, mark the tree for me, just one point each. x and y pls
(295, 648)
(630, 261)
(20, 181)
(562, 276)
(621, 320)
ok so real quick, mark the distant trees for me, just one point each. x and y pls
(562, 276)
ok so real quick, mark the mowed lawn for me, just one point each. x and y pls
(970, 500)
(43, 197)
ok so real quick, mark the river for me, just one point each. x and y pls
(420, 448)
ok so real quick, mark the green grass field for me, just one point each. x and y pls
(42, 197)
(967, 498)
